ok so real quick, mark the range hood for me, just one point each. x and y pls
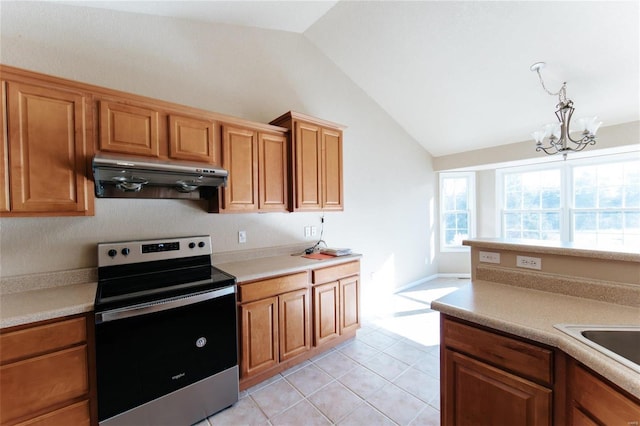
(118, 176)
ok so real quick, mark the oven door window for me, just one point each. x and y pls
(142, 358)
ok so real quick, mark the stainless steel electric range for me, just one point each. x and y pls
(166, 333)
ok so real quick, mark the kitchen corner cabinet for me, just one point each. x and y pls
(316, 162)
(45, 149)
(274, 321)
(44, 373)
(592, 401)
(257, 165)
(489, 378)
(336, 303)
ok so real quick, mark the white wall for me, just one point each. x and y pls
(249, 73)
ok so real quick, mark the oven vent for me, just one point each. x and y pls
(133, 177)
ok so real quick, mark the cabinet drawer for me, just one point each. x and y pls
(41, 339)
(42, 382)
(75, 414)
(272, 287)
(508, 353)
(333, 273)
(592, 396)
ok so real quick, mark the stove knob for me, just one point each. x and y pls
(201, 244)
(125, 251)
(112, 253)
(192, 245)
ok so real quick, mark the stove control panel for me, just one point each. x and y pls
(127, 252)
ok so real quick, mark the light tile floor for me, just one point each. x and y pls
(387, 375)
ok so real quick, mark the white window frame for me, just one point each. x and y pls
(566, 197)
(471, 208)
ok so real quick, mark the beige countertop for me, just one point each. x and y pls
(46, 303)
(39, 297)
(626, 254)
(532, 313)
(255, 269)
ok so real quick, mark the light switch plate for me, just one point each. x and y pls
(529, 262)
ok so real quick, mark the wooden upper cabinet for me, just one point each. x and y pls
(4, 149)
(316, 162)
(48, 150)
(308, 148)
(257, 165)
(332, 198)
(193, 139)
(240, 158)
(272, 164)
(128, 129)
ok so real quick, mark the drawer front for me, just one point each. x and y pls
(272, 287)
(511, 354)
(590, 395)
(333, 273)
(75, 414)
(42, 382)
(42, 339)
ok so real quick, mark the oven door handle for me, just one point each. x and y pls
(148, 308)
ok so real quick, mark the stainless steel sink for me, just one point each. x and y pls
(619, 342)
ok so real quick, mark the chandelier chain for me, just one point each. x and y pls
(561, 94)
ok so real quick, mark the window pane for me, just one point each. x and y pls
(585, 197)
(550, 199)
(610, 220)
(585, 221)
(513, 200)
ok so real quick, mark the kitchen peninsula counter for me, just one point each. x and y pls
(572, 286)
(531, 314)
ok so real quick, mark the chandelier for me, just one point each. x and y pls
(554, 138)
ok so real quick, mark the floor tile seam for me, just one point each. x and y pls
(302, 397)
(345, 415)
(262, 411)
(343, 374)
(419, 413)
(249, 392)
(320, 388)
(380, 412)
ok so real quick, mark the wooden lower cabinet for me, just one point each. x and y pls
(490, 378)
(44, 374)
(326, 311)
(493, 379)
(478, 393)
(287, 319)
(592, 401)
(294, 323)
(273, 330)
(259, 335)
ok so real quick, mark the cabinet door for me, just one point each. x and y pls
(332, 198)
(259, 335)
(477, 393)
(43, 382)
(47, 150)
(240, 158)
(307, 167)
(294, 323)
(272, 160)
(325, 312)
(129, 129)
(349, 304)
(193, 139)
(4, 149)
(593, 400)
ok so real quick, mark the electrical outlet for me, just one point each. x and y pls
(529, 262)
(489, 257)
(314, 231)
(242, 237)
(307, 231)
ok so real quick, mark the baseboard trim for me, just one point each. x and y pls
(430, 278)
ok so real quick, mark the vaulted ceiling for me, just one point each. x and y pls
(455, 74)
